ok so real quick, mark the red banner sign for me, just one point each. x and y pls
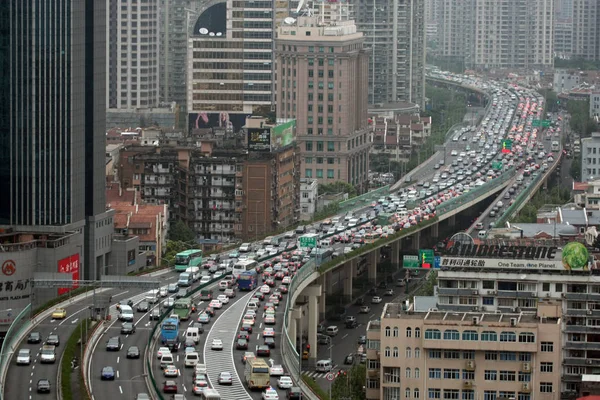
(69, 265)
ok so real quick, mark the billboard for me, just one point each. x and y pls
(16, 273)
(410, 262)
(205, 120)
(69, 265)
(259, 139)
(283, 134)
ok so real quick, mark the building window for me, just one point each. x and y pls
(468, 375)
(319, 160)
(330, 85)
(308, 146)
(451, 334)
(311, 49)
(417, 332)
(490, 375)
(395, 332)
(524, 396)
(408, 352)
(416, 393)
(489, 336)
(311, 84)
(525, 357)
(469, 355)
(470, 335)
(308, 160)
(308, 173)
(547, 367)
(417, 352)
(330, 145)
(319, 146)
(450, 373)
(468, 394)
(452, 354)
(395, 353)
(319, 173)
(435, 373)
(311, 62)
(388, 351)
(407, 393)
(546, 387)
(508, 356)
(435, 354)
(508, 337)
(548, 347)
(433, 334)
(489, 395)
(388, 331)
(524, 377)
(417, 373)
(526, 337)
(488, 301)
(435, 393)
(451, 394)
(407, 372)
(508, 376)
(330, 174)
(408, 332)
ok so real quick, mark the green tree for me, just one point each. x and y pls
(575, 170)
(174, 247)
(577, 63)
(350, 386)
(337, 187)
(179, 231)
(580, 121)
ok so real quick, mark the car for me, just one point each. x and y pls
(204, 280)
(217, 344)
(113, 344)
(225, 378)
(294, 393)
(168, 302)
(248, 320)
(269, 319)
(243, 335)
(161, 351)
(247, 355)
(43, 386)
(24, 357)
(276, 370)
(389, 292)
(229, 293)
(204, 318)
(241, 344)
(263, 351)
(155, 314)
(268, 332)
(200, 383)
(170, 387)
(349, 360)
(223, 299)
(265, 289)
(127, 328)
(246, 328)
(107, 374)
(270, 341)
(171, 371)
(270, 394)
(376, 300)
(362, 339)
(143, 306)
(53, 340)
(34, 337)
(133, 352)
(269, 305)
(364, 310)
(285, 382)
(215, 304)
(351, 322)
(59, 313)
(163, 292)
(142, 396)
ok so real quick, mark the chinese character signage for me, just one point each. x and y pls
(283, 134)
(410, 261)
(506, 145)
(69, 265)
(15, 286)
(259, 139)
(426, 257)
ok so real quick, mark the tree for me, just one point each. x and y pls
(575, 170)
(337, 187)
(349, 385)
(181, 232)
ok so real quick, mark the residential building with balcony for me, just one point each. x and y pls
(309, 191)
(590, 157)
(462, 355)
(396, 136)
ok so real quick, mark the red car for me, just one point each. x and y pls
(170, 387)
(282, 289)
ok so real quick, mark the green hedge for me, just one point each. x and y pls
(372, 246)
(60, 299)
(323, 395)
(71, 349)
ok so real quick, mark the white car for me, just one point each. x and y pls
(270, 394)
(223, 299)
(164, 292)
(286, 280)
(250, 312)
(269, 332)
(171, 371)
(269, 319)
(217, 344)
(265, 289)
(276, 370)
(285, 382)
(248, 321)
(24, 357)
(205, 279)
(161, 351)
(216, 304)
(376, 300)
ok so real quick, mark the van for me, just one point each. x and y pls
(191, 359)
(126, 313)
(210, 394)
(245, 247)
(192, 333)
(153, 296)
(185, 279)
(166, 359)
(324, 366)
(267, 240)
(520, 178)
(194, 272)
(253, 306)
(300, 230)
(323, 339)
(482, 234)
(332, 330)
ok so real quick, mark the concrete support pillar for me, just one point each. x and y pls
(435, 231)
(372, 272)
(452, 220)
(396, 247)
(322, 307)
(292, 330)
(350, 273)
(416, 240)
(313, 322)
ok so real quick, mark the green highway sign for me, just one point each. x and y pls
(427, 258)
(309, 242)
(544, 123)
(497, 165)
(410, 262)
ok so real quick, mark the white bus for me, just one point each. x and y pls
(243, 266)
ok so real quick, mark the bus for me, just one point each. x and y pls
(554, 146)
(169, 329)
(257, 373)
(243, 266)
(183, 308)
(188, 258)
(248, 280)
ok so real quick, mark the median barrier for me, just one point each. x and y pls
(99, 330)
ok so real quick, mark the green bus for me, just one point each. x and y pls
(183, 308)
(188, 258)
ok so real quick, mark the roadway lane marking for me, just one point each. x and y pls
(117, 374)
(118, 358)
(372, 315)
(345, 336)
(177, 358)
(184, 388)
(121, 389)
(121, 294)
(257, 336)
(30, 381)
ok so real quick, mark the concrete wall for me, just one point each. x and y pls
(126, 257)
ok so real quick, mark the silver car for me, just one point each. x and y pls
(225, 378)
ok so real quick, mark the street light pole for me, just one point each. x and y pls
(132, 379)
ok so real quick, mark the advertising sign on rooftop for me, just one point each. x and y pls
(283, 134)
(259, 139)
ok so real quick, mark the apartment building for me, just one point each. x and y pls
(309, 190)
(462, 355)
(586, 29)
(133, 54)
(322, 82)
(397, 135)
(563, 39)
(395, 34)
(513, 34)
(456, 30)
(590, 157)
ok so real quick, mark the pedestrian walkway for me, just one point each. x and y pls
(319, 375)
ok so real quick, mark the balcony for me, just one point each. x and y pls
(582, 329)
(458, 292)
(582, 345)
(479, 345)
(582, 296)
(507, 293)
(581, 361)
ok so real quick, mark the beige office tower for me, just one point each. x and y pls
(322, 82)
(586, 29)
(514, 34)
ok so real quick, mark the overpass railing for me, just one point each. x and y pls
(11, 342)
(363, 199)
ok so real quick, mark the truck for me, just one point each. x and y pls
(183, 308)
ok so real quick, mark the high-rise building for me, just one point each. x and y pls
(513, 34)
(177, 18)
(52, 123)
(133, 56)
(456, 30)
(564, 10)
(395, 34)
(586, 29)
(432, 18)
(322, 82)
(230, 62)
